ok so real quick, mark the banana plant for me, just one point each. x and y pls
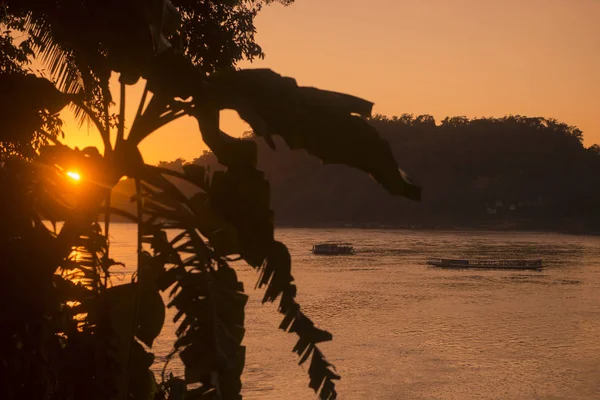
(185, 242)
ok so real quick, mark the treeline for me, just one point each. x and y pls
(510, 172)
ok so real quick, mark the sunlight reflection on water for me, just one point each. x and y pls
(403, 330)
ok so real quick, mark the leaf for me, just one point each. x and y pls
(150, 314)
(23, 98)
(31, 92)
(196, 174)
(151, 317)
(225, 241)
(241, 198)
(222, 236)
(322, 122)
(142, 384)
(70, 291)
(177, 388)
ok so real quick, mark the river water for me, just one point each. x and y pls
(402, 330)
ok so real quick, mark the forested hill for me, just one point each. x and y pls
(511, 172)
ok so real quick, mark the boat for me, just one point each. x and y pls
(333, 248)
(485, 264)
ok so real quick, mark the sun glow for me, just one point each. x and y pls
(74, 175)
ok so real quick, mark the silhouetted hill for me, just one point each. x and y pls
(511, 172)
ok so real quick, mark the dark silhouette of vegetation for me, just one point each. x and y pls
(509, 172)
(24, 126)
(67, 331)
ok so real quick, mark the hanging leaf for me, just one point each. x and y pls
(151, 317)
(326, 124)
(123, 300)
(142, 384)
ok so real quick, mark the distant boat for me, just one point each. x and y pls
(486, 264)
(333, 248)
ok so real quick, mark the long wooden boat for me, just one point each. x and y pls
(486, 264)
(333, 248)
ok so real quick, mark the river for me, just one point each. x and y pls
(402, 330)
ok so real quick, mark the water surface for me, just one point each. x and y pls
(403, 330)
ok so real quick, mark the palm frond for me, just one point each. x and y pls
(59, 61)
(65, 65)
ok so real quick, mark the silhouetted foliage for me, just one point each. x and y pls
(23, 96)
(218, 34)
(69, 332)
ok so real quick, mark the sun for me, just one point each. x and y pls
(74, 175)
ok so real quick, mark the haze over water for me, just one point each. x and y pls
(403, 330)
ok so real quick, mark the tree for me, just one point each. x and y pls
(455, 122)
(425, 120)
(594, 148)
(35, 126)
(71, 333)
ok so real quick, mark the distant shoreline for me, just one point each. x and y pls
(455, 228)
(423, 227)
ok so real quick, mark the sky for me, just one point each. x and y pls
(478, 58)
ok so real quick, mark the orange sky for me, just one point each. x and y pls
(441, 57)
